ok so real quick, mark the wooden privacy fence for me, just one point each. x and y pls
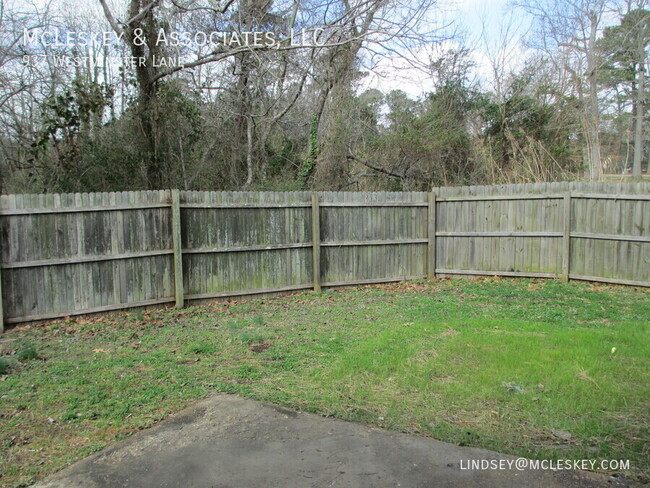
(64, 255)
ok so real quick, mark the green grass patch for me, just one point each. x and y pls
(525, 367)
(26, 351)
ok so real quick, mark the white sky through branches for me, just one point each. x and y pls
(479, 25)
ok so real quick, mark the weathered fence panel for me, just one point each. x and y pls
(370, 237)
(590, 231)
(73, 254)
(610, 238)
(497, 235)
(245, 242)
(66, 255)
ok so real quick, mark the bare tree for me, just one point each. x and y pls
(337, 28)
(27, 76)
(568, 30)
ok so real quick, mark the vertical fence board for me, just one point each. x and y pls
(315, 232)
(566, 239)
(178, 256)
(431, 256)
(2, 319)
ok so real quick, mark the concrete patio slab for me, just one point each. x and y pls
(228, 441)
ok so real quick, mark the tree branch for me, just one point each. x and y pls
(137, 18)
(223, 54)
(111, 20)
(390, 174)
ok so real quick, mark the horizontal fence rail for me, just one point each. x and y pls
(66, 255)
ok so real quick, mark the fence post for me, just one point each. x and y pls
(566, 239)
(431, 249)
(178, 255)
(315, 233)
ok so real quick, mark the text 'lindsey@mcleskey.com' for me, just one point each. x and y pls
(524, 464)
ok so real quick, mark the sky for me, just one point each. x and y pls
(482, 24)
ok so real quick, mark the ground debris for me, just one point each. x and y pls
(562, 434)
(510, 386)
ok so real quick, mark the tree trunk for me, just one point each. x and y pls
(147, 92)
(147, 116)
(250, 169)
(593, 115)
(640, 109)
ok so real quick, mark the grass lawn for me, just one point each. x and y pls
(525, 367)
